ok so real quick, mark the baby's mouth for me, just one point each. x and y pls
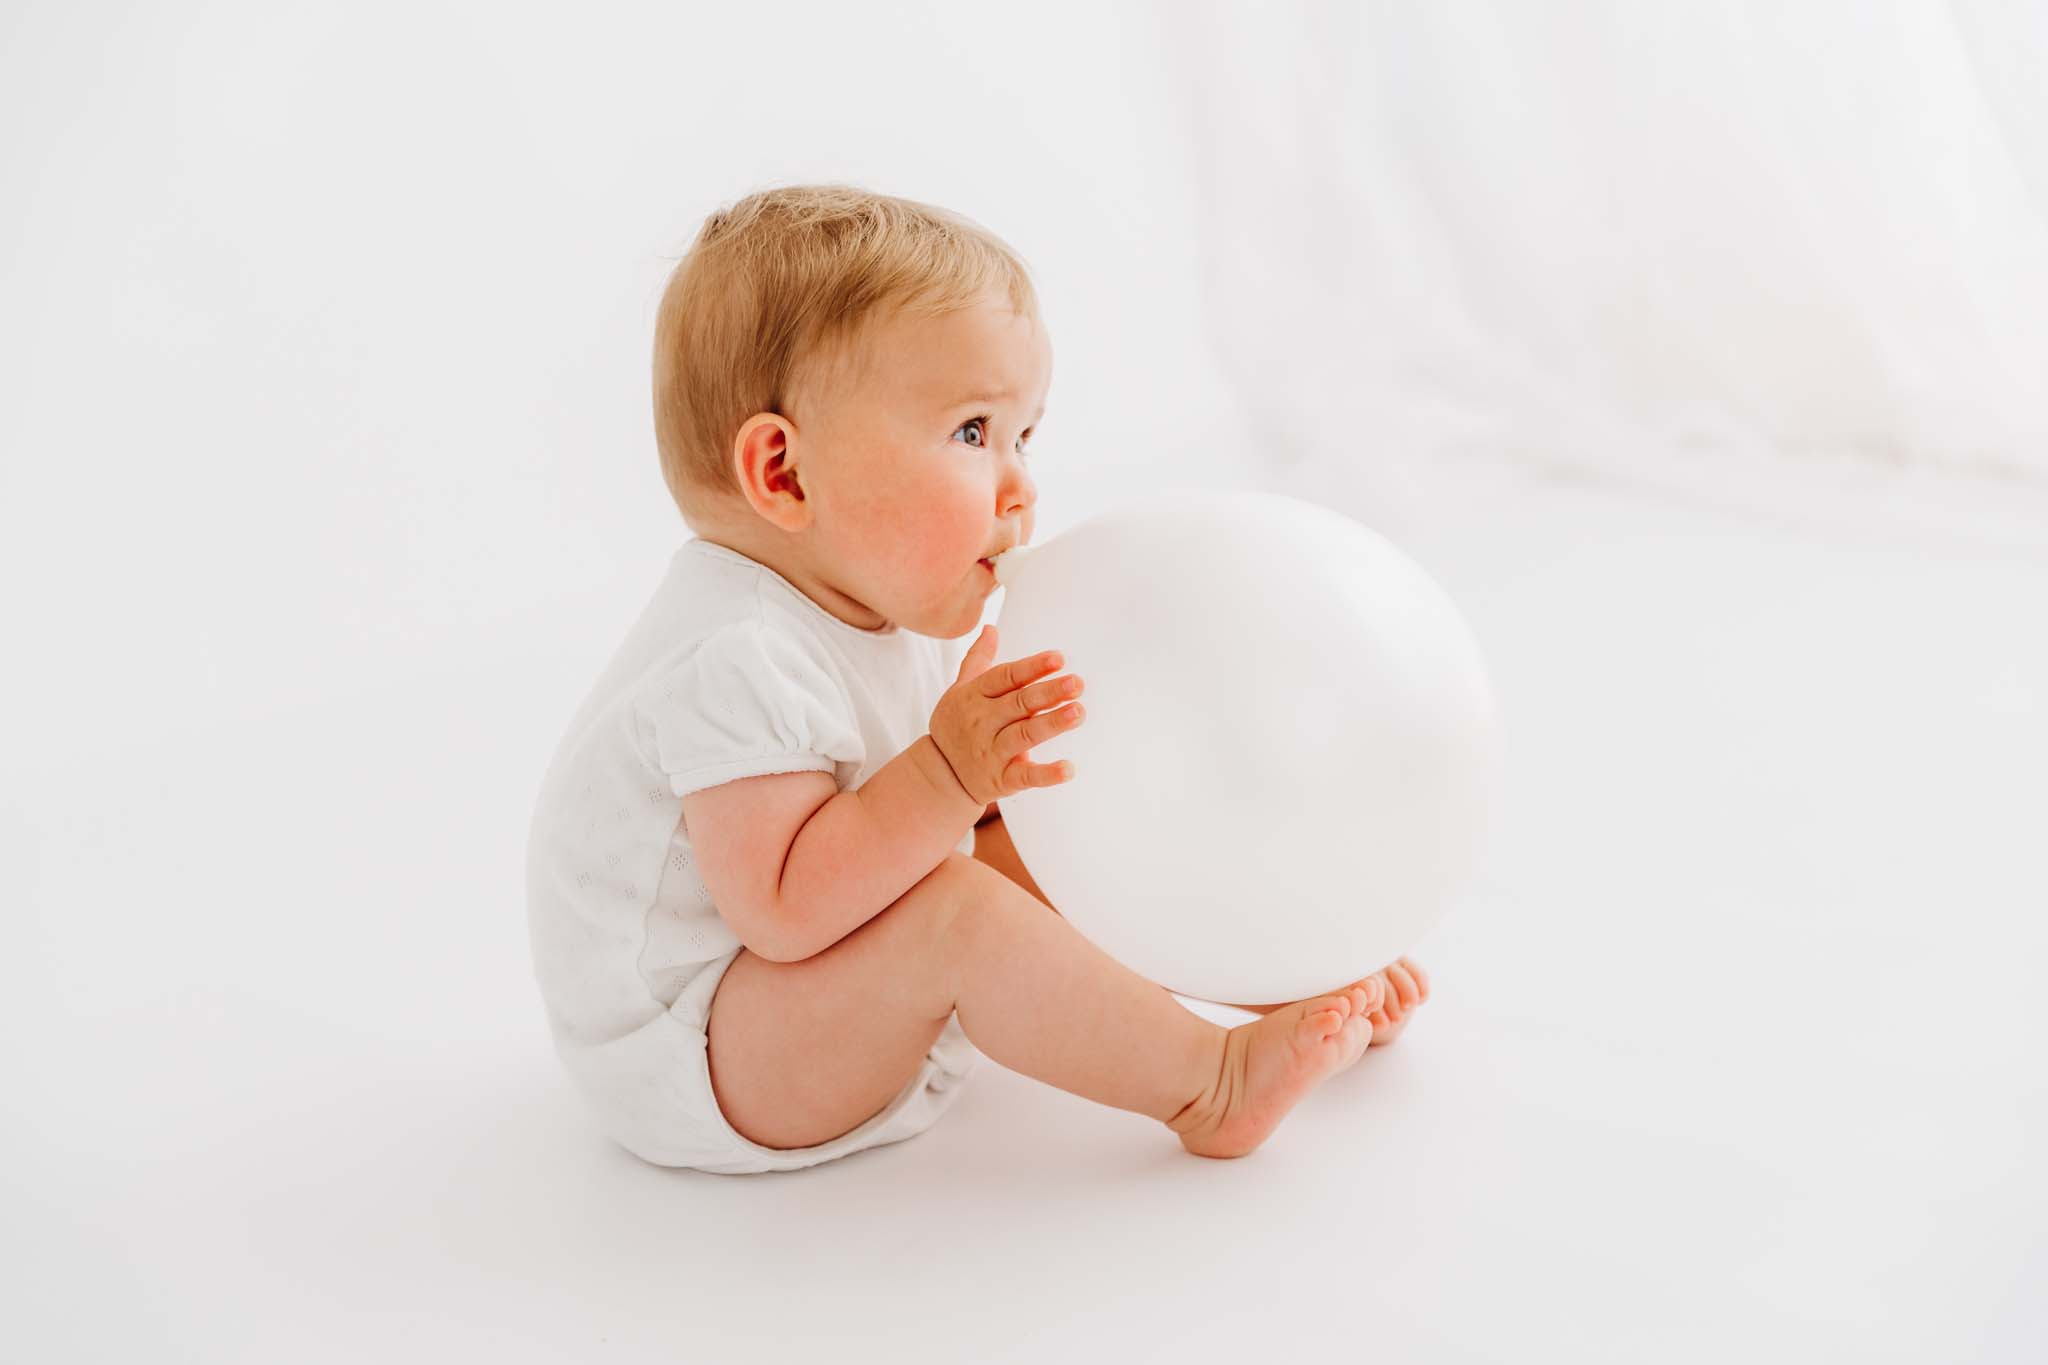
(1001, 566)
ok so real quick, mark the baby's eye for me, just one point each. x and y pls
(979, 425)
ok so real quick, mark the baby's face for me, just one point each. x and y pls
(918, 471)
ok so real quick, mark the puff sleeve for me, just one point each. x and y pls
(748, 701)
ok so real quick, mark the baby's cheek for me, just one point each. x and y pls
(893, 535)
(935, 547)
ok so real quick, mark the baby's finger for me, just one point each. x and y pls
(1044, 695)
(1016, 737)
(975, 661)
(1014, 674)
(1421, 977)
(1392, 1003)
(1024, 773)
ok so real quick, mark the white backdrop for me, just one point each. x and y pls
(332, 320)
(1632, 236)
(327, 480)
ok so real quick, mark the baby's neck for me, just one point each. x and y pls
(788, 557)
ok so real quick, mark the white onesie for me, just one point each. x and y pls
(729, 672)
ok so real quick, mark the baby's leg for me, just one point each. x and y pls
(801, 1052)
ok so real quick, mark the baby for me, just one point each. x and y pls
(775, 915)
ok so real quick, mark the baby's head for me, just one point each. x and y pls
(844, 383)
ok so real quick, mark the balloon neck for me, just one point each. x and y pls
(1007, 563)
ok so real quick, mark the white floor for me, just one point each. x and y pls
(1736, 1051)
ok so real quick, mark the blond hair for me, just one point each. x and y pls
(779, 285)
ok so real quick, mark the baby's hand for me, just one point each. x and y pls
(988, 720)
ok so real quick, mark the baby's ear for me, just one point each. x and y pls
(767, 475)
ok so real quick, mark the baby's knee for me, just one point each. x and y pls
(957, 884)
(933, 896)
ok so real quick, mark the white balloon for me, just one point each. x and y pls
(1290, 752)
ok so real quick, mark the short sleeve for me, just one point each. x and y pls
(745, 702)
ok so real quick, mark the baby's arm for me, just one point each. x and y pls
(792, 895)
(865, 848)
(794, 871)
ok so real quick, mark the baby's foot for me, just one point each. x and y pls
(1405, 986)
(1270, 1063)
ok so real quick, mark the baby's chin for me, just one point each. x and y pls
(941, 611)
(965, 620)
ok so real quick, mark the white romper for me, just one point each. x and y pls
(729, 672)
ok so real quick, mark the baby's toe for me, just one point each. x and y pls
(1405, 992)
(1323, 1018)
(1385, 1028)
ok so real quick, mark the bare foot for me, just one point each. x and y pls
(1270, 1063)
(1406, 985)
(1403, 986)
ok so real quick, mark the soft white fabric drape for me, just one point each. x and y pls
(1674, 242)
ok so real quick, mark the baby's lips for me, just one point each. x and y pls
(1006, 563)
